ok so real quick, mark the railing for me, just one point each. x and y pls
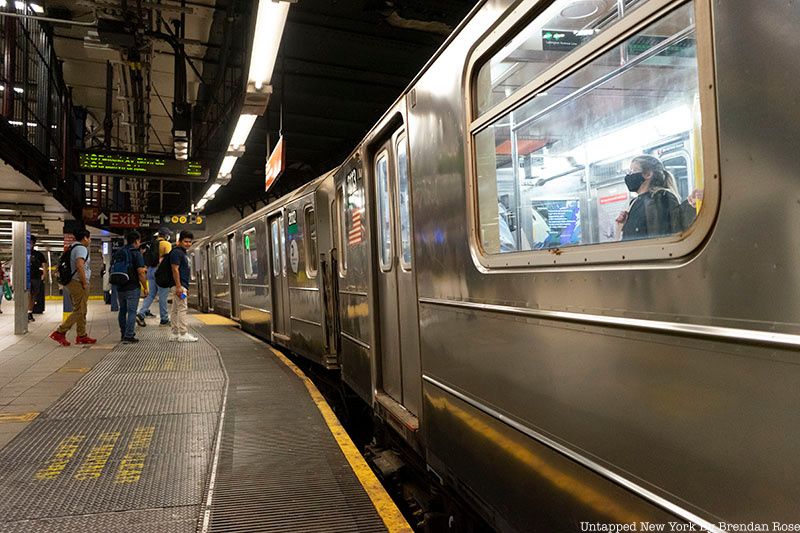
(35, 102)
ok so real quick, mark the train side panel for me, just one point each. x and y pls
(519, 363)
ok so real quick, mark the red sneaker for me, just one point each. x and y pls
(86, 339)
(60, 338)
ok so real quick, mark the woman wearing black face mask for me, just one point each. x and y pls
(656, 210)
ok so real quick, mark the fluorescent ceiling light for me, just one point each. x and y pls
(2, 4)
(19, 90)
(270, 21)
(212, 190)
(227, 165)
(242, 131)
(20, 5)
(37, 8)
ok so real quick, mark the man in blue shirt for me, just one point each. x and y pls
(128, 293)
(181, 275)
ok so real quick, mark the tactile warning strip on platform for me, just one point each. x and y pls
(280, 468)
(128, 449)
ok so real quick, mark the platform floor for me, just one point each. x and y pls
(220, 435)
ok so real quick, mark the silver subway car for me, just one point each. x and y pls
(557, 265)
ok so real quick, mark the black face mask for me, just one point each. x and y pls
(634, 180)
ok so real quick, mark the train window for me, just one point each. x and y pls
(587, 161)
(219, 261)
(384, 210)
(190, 258)
(310, 237)
(276, 250)
(250, 254)
(559, 30)
(341, 217)
(283, 245)
(404, 198)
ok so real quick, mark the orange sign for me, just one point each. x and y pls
(275, 164)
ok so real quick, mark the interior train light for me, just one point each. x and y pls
(270, 21)
(37, 8)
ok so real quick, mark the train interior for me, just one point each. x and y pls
(551, 171)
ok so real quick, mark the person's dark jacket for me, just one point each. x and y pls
(655, 214)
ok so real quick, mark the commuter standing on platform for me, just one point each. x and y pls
(38, 266)
(78, 289)
(152, 258)
(129, 259)
(2, 286)
(179, 263)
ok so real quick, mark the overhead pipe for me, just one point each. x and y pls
(108, 121)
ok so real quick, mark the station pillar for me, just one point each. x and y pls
(20, 268)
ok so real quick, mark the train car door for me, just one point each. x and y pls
(397, 295)
(208, 289)
(233, 272)
(280, 286)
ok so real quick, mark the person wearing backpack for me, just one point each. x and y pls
(152, 257)
(74, 272)
(129, 274)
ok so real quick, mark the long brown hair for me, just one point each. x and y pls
(662, 178)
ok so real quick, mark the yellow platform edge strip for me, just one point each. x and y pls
(53, 298)
(388, 511)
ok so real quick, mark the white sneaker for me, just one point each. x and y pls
(186, 337)
(174, 337)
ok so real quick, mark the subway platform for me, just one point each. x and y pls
(225, 434)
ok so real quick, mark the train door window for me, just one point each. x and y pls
(558, 31)
(310, 237)
(573, 164)
(282, 232)
(276, 251)
(404, 201)
(384, 210)
(250, 254)
(190, 258)
(341, 218)
(219, 261)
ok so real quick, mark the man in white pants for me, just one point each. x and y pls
(179, 263)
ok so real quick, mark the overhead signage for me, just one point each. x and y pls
(140, 165)
(642, 43)
(183, 221)
(275, 164)
(124, 220)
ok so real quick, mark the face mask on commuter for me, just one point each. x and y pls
(634, 180)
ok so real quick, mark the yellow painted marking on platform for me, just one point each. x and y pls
(52, 298)
(68, 370)
(94, 463)
(150, 364)
(132, 464)
(21, 417)
(388, 511)
(214, 320)
(65, 451)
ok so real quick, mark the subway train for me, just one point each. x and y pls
(468, 273)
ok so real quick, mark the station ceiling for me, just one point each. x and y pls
(341, 65)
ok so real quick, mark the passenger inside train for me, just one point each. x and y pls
(556, 163)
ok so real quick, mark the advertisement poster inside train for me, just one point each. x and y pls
(611, 200)
(556, 222)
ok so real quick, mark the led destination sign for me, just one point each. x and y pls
(141, 165)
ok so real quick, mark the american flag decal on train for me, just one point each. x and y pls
(356, 233)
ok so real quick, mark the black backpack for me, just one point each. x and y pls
(65, 271)
(151, 254)
(163, 276)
